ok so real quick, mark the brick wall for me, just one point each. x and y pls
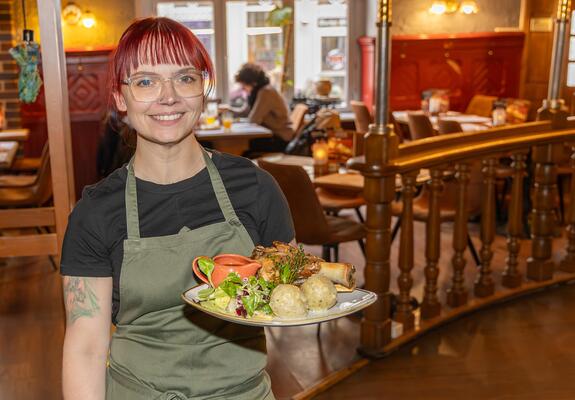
(8, 67)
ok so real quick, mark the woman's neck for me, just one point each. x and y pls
(168, 164)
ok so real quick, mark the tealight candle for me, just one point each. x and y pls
(320, 152)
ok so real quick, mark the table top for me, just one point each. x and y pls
(19, 135)
(239, 130)
(8, 150)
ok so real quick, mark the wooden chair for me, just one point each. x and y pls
(312, 226)
(420, 126)
(362, 116)
(297, 117)
(480, 105)
(446, 126)
(28, 191)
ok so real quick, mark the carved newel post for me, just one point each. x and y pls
(540, 266)
(381, 145)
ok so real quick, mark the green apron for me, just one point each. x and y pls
(163, 349)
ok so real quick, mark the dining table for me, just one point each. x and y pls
(333, 177)
(234, 140)
(8, 151)
(18, 135)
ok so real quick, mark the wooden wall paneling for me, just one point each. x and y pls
(466, 64)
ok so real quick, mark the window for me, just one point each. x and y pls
(320, 28)
(571, 62)
(237, 31)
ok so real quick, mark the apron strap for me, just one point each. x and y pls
(131, 197)
(220, 190)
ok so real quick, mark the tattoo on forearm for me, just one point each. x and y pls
(81, 301)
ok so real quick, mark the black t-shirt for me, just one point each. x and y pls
(93, 244)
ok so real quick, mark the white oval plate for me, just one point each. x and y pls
(347, 303)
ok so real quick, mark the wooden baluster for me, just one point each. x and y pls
(379, 192)
(484, 285)
(404, 312)
(457, 294)
(431, 307)
(568, 262)
(511, 276)
(539, 264)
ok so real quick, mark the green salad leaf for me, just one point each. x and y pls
(207, 266)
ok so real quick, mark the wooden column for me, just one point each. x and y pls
(568, 262)
(404, 312)
(457, 294)
(379, 192)
(512, 277)
(57, 114)
(431, 307)
(484, 285)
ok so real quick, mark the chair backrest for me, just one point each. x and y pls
(419, 126)
(480, 105)
(297, 118)
(307, 214)
(42, 187)
(445, 126)
(362, 116)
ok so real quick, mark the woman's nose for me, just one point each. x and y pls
(168, 94)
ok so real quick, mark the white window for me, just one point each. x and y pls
(571, 62)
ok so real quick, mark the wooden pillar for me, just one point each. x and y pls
(484, 285)
(431, 307)
(57, 112)
(457, 294)
(512, 277)
(404, 312)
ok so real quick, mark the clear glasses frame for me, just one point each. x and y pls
(154, 93)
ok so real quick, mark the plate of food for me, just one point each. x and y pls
(279, 285)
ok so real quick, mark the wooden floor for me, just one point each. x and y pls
(519, 350)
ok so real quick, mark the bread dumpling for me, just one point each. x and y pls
(287, 301)
(319, 292)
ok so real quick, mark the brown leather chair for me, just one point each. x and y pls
(28, 191)
(420, 126)
(312, 226)
(480, 105)
(445, 126)
(297, 117)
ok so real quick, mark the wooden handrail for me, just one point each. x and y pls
(452, 148)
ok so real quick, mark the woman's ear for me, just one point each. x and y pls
(120, 102)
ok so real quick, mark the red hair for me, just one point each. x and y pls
(157, 40)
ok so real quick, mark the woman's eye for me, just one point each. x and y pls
(145, 82)
(187, 79)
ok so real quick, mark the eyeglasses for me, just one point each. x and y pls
(148, 87)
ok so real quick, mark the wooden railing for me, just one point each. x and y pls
(534, 149)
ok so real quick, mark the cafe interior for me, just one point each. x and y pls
(433, 150)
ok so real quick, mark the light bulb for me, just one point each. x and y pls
(468, 7)
(438, 8)
(88, 19)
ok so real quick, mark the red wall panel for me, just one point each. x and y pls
(466, 64)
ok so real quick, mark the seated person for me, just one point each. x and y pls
(266, 107)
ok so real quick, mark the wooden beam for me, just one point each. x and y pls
(27, 217)
(57, 112)
(29, 245)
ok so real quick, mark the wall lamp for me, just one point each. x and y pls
(467, 7)
(72, 14)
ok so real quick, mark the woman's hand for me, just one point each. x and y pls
(88, 303)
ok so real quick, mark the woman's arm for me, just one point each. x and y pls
(88, 303)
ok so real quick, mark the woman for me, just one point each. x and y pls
(265, 106)
(132, 237)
